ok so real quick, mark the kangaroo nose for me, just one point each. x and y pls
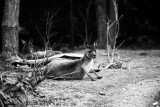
(31, 50)
(94, 56)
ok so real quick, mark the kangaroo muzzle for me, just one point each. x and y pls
(94, 56)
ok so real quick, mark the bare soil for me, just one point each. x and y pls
(134, 85)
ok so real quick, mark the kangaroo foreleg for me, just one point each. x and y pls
(92, 79)
(97, 70)
(93, 71)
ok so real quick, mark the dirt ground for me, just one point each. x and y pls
(135, 86)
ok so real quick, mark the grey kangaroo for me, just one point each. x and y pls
(30, 51)
(66, 69)
(28, 48)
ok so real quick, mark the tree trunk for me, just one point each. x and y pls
(112, 29)
(10, 27)
(101, 26)
(72, 23)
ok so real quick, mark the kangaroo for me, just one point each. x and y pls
(67, 69)
(27, 49)
(30, 51)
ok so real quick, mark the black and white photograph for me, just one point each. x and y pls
(79, 53)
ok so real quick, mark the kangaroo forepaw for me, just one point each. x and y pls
(97, 70)
(93, 80)
(99, 77)
(94, 70)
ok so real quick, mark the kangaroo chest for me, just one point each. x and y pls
(88, 64)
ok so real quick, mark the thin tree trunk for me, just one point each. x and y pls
(101, 26)
(10, 26)
(112, 17)
(72, 23)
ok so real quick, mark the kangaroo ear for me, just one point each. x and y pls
(95, 43)
(23, 42)
(86, 45)
(31, 42)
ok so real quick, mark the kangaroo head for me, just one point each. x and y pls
(28, 47)
(91, 51)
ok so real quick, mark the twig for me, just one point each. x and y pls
(116, 23)
(85, 19)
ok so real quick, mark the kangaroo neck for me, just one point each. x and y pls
(86, 59)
